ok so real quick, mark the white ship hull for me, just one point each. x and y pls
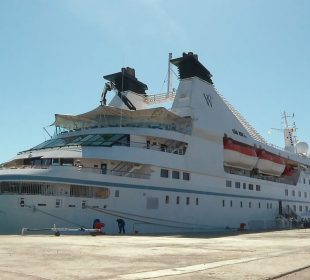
(210, 207)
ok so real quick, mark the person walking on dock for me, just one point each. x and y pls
(121, 225)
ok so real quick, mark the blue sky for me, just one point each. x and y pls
(53, 55)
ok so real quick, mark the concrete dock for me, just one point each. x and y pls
(270, 255)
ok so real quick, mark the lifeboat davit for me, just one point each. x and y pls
(269, 163)
(288, 170)
(239, 155)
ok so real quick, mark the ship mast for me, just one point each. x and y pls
(289, 138)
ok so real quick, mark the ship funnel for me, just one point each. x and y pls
(189, 66)
(126, 81)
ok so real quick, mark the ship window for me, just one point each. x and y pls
(41, 204)
(55, 161)
(228, 184)
(58, 203)
(258, 188)
(250, 204)
(251, 187)
(178, 200)
(258, 204)
(244, 186)
(307, 208)
(175, 174)
(286, 192)
(305, 194)
(167, 199)
(71, 205)
(22, 202)
(231, 203)
(117, 193)
(294, 208)
(304, 180)
(186, 176)
(299, 193)
(164, 173)
(267, 205)
(66, 161)
(197, 201)
(187, 200)
(300, 208)
(83, 204)
(237, 185)
(270, 205)
(240, 204)
(309, 181)
(223, 203)
(293, 192)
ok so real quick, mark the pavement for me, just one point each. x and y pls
(271, 255)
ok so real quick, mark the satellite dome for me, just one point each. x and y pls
(302, 148)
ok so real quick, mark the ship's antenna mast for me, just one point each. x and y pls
(169, 82)
(289, 131)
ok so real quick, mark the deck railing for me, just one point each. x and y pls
(130, 174)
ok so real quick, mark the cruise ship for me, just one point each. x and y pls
(196, 167)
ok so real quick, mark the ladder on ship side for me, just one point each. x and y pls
(250, 129)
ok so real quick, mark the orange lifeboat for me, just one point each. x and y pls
(269, 163)
(239, 155)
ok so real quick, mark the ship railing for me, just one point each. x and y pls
(174, 149)
(125, 173)
(132, 174)
(159, 98)
(34, 166)
(179, 126)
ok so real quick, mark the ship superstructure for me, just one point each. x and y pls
(197, 167)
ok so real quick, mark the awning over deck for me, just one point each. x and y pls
(106, 116)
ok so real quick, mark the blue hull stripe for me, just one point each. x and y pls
(102, 184)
